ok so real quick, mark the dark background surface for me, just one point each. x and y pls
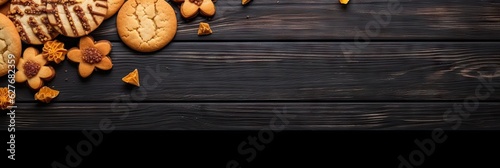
(288, 148)
(287, 55)
(284, 57)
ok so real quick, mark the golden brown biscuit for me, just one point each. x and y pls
(91, 55)
(31, 21)
(132, 78)
(204, 29)
(5, 8)
(3, 2)
(54, 51)
(76, 18)
(146, 25)
(190, 8)
(32, 69)
(10, 43)
(46, 94)
(113, 7)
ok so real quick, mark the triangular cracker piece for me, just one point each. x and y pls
(132, 78)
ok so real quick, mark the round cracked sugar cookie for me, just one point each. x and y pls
(76, 18)
(10, 43)
(31, 21)
(146, 25)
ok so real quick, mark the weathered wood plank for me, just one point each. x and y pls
(298, 71)
(252, 116)
(327, 20)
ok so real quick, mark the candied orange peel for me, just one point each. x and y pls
(132, 78)
(204, 29)
(46, 94)
(54, 51)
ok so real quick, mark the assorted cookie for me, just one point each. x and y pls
(46, 94)
(32, 69)
(113, 7)
(91, 55)
(132, 78)
(54, 51)
(191, 8)
(5, 100)
(143, 25)
(31, 21)
(10, 43)
(204, 29)
(76, 18)
(146, 25)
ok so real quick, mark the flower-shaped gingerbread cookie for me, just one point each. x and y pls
(190, 8)
(31, 68)
(91, 55)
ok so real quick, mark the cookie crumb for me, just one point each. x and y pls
(204, 29)
(248, 16)
(66, 79)
(46, 94)
(65, 71)
(277, 2)
(344, 2)
(132, 78)
(244, 2)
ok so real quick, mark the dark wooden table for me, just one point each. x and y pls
(313, 63)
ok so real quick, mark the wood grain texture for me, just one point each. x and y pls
(302, 57)
(287, 71)
(251, 116)
(288, 20)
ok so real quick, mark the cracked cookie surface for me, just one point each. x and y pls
(146, 25)
(10, 43)
(76, 18)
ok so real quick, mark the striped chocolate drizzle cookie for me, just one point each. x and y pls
(76, 18)
(30, 19)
